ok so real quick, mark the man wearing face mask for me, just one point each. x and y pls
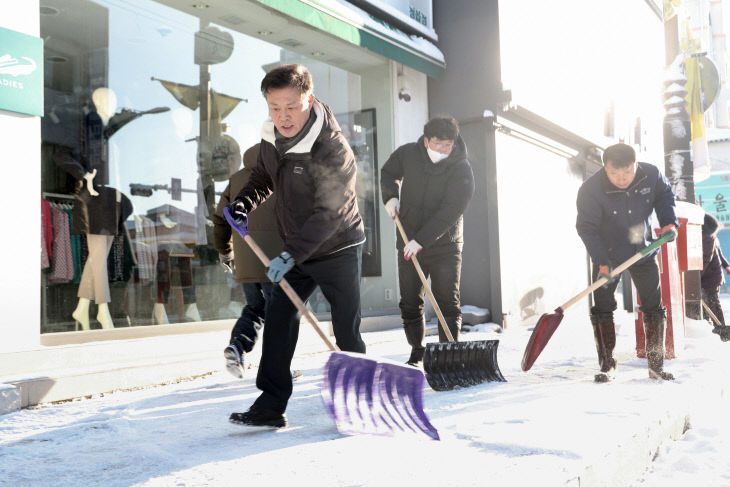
(429, 183)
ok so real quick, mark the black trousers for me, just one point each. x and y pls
(645, 276)
(711, 297)
(444, 268)
(338, 276)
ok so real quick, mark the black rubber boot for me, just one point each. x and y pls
(654, 324)
(722, 331)
(454, 324)
(415, 335)
(604, 333)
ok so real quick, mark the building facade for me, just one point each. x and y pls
(163, 97)
(540, 89)
(158, 100)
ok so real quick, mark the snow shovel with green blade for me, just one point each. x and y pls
(455, 364)
(361, 394)
(548, 322)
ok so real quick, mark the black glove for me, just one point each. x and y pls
(238, 211)
(227, 262)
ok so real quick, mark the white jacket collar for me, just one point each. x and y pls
(304, 145)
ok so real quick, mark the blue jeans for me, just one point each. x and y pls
(247, 327)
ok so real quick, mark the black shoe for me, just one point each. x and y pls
(259, 417)
(234, 361)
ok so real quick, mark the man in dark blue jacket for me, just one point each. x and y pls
(614, 211)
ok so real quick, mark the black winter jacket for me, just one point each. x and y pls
(713, 260)
(314, 181)
(433, 197)
(615, 223)
(103, 214)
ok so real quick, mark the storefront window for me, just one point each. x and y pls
(159, 105)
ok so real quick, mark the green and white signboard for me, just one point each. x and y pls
(713, 194)
(21, 73)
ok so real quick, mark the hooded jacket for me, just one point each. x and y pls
(615, 223)
(314, 181)
(713, 261)
(433, 196)
(261, 226)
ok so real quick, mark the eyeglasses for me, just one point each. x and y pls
(446, 145)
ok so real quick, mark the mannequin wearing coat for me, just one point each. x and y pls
(99, 210)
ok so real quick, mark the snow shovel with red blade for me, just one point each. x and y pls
(455, 364)
(548, 322)
(362, 395)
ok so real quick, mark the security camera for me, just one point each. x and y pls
(404, 91)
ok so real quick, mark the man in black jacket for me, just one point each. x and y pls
(614, 212)
(436, 183)
(306, 161)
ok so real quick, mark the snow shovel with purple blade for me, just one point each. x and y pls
(361, 394)
(375, 397)
(455, 364)
(548, 322)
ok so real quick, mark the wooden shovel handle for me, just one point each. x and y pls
(709, 312)
(664, 238)
(293, 296)
(431, 297)
(600, 282)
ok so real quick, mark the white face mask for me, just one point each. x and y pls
(435, 156)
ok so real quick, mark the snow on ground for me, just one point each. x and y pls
(542, 427)
(700, 457)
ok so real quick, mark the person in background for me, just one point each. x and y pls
(713, 263)
(429, 183)
(238, 259)
(306, 161)
(614, 221)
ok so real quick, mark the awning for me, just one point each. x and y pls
(347, 22)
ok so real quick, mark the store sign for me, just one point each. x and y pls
(21, 73)
(417, 10)
(713, 194)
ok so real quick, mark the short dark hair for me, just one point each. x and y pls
(442, 127)
(288, 75)
(619, 155)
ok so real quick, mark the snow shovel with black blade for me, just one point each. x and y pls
(362, 395)
(548, 322)
(455, 364)
(718, 328)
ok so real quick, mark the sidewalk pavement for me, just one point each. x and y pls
(63, 372)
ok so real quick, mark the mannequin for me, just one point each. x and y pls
(99, 210)
(105, 102)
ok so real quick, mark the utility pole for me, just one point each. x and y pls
(678, 166)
